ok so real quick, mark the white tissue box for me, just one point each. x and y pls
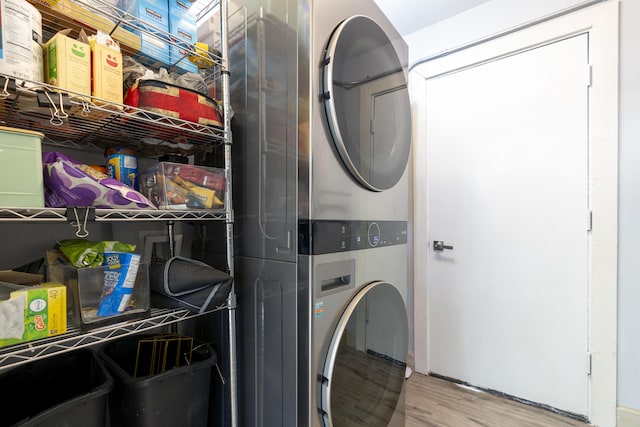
(30, 310)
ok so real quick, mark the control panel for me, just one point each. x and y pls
(328, 236)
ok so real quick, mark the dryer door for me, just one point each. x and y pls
(366, 103)
(365, 365)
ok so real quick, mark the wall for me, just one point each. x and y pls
(498, 16)
(629, 209)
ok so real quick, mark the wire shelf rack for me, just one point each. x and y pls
(82, 122)
(74, 339)
(78, 121)
(67, 214)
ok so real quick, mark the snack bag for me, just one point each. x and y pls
(120, 270)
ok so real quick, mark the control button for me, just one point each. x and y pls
(373, 234)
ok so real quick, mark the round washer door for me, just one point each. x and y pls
(366, 103)
(364, 369)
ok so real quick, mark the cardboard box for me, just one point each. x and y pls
(181, 8)
(154, 52)
(30, 309)
(67, 63)
(152, 26)
(152, 12)
(150, 50)
(108, 3)
(21, 50)
(106, 69)
(183, 37)
(63, 14)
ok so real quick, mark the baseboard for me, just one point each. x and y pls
(628, 417)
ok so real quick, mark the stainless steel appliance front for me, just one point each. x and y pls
(289, 172)
(359, 340)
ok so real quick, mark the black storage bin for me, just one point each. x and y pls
(69, 390)
(176, 397)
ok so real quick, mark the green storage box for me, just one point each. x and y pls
(21, 168)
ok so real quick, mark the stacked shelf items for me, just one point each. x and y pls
(87, 124)
(67, 116)
(79, 121)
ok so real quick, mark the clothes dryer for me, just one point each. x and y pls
(322, 119)
(361, 125)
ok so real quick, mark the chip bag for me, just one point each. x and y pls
(68, 182)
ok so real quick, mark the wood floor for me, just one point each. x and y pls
(435, 402)
(365, 388)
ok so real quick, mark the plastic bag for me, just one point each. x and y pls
(85, 253)
(133, 71)
(71, 183)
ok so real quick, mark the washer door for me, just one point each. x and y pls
(366, 103)
(365, 366)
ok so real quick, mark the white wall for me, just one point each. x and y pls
(498, 16)
(487, 19)
(629, 209)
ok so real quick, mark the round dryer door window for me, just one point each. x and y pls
(364, 369)
(366, 103)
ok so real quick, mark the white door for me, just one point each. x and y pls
(507, 187)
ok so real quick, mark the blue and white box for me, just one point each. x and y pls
(183, 36)
(181, 7)
(152, 25)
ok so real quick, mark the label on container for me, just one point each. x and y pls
(124, 168)
(120, 270)
(20, 38)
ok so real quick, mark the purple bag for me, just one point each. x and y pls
(71, 183)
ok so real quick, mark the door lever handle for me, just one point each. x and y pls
(438, 245)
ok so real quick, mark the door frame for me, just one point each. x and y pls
(600, 22)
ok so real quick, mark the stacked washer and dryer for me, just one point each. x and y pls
(322, 135)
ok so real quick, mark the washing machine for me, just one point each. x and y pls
(322, 136)
(358, 323)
